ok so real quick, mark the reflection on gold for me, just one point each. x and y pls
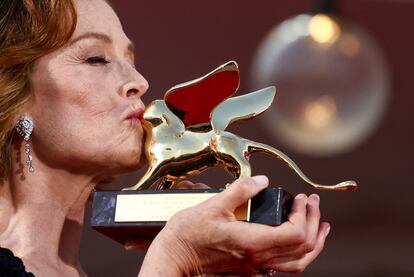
(349, 44)
(320, 113)
(185, 138)
(323, 29)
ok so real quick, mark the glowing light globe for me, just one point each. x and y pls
(332, 84)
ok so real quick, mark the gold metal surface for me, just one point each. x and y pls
(160, 207)
(186, 131)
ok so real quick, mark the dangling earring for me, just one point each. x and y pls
(24, 128)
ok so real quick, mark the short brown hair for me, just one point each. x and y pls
(29, 29)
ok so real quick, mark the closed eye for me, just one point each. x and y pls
(97, 60)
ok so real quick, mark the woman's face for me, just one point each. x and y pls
(85, 96)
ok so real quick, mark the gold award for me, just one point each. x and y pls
(186, 131)
(185, 135)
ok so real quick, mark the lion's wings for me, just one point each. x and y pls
(242, 107)
(194, 101)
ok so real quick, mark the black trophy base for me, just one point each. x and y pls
(115, 214)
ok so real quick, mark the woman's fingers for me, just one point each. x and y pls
(312, 222)
(289, 247)
(298, 235)
(297, 264)
(293, 231)
(302, 243)
(260, 237)
(201, 186)
(190, 185)
(240, 191)
(294, 238)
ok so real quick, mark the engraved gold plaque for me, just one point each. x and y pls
(152, 207)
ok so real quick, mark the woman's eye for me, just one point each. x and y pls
(97, 60)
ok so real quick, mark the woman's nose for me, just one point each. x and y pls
(136, 87)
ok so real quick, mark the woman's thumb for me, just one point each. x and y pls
(241, 190)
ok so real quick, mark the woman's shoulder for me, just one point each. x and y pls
(12, 266)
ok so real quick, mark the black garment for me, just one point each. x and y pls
(11, 266)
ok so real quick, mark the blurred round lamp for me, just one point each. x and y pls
(332, 83)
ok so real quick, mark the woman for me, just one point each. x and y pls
(68, 68)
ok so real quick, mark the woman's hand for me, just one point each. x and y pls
(207, 238)
(144, 243)
(190, 185)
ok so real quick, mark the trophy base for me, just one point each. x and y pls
(125, 215)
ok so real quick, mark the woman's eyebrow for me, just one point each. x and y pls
(100, 36)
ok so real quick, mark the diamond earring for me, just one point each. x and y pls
(24, 128)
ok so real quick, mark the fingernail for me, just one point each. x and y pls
(315, 198)
(260, 180)
(301, 197)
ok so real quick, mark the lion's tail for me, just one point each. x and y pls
(260, 147)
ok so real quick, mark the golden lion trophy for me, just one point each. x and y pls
(185, 135)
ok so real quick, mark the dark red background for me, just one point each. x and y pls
(372, 228)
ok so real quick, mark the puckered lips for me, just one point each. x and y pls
(135, 116)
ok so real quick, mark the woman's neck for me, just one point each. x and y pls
(41, 215)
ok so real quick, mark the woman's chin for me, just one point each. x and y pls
(130, 163)
(119, 161)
